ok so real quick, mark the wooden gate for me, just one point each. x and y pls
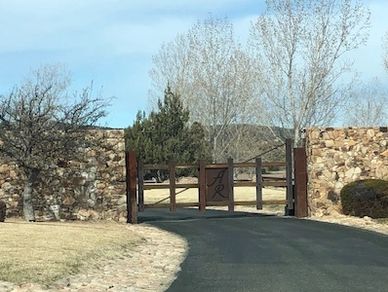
(216, 184)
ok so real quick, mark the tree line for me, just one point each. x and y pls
(292, 73)
(289, 76)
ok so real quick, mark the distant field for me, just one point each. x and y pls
(191, 195)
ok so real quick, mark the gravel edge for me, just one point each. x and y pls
(150, 266)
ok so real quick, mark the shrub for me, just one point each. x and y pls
(365, 198)
(3, 209)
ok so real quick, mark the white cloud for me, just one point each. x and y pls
(116, 25)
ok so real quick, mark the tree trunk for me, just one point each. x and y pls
(214, 150)
(297, 134)
(28, 210)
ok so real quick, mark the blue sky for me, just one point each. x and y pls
(112, 41)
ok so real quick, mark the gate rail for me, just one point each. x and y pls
(261, 181)
(135, 176)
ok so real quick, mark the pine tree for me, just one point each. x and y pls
(165, 135)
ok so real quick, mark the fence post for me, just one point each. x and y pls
(289, 191)
(130, 165)
(231, 185)
(300, 171)
(140, 183)
(172, 186)
(202, 186)
(259, 185)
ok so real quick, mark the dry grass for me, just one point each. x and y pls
(44, 252)
(191, 195)
(240, 194)
(383, 221)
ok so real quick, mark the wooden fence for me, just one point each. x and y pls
(291, 182)
(202, 166)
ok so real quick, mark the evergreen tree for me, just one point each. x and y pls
(166, 135)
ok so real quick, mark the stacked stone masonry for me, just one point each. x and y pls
(93, 188)
(337, 157)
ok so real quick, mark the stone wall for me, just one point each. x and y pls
(93, 188)
(337, 157)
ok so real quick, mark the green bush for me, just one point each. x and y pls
(365, 198)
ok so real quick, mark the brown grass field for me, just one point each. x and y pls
(44, 252)
(191, 195)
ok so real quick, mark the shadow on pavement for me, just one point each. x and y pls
(163, 214)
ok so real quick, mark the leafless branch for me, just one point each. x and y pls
(368, 105)
(300, 45)
(41, 124)
(214, 77)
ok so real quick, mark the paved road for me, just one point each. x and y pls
(275, 254)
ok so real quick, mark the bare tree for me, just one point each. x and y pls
(300, 47)
(368, 105)
(41, 125)
(214, 77)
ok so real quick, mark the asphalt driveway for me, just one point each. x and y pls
(267, 253)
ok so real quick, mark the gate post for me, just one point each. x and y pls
(259, 185)
(172, 186)
(231, 185)
(140, 185)
(300, 171)
(289, 191)
(202, 186)
(130, 165)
